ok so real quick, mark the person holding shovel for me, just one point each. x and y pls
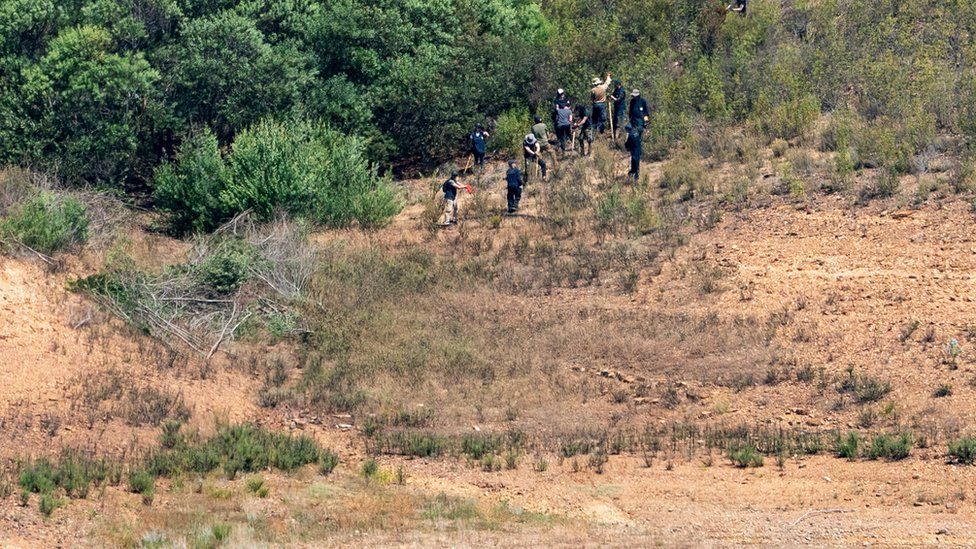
(450, 189)
(598, 94)
(532, 151)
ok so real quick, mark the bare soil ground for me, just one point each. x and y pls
(821, 287)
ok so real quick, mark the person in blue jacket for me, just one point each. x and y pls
(640, 114)
(479, 144)
(513, 180)
(634, 146)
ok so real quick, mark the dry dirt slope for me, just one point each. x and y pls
(853, 279)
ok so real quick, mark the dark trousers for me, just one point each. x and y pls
(527, 173)
(479, 159)
(618, 114)
(599, 116)
(564, 134)
(514, 197)
(637, 124)
(635, 165)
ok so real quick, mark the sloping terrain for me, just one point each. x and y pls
(760, 320)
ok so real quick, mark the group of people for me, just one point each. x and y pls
(608, 108)
(570, 125)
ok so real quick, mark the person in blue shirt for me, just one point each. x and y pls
(514, 183)
(479, 144)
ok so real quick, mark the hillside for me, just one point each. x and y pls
(778, 324)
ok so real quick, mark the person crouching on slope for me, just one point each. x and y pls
(513, 180)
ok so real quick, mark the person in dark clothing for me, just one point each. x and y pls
(450, 189)
(634, 146)
(618, 98)
(564, 124)
(584, 129)
(479, 144)
(739, 6)
(532, 151)
(640, 114)
(513, 180)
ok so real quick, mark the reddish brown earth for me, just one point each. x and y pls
(852, 279)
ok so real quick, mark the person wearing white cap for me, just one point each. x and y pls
(532, 151)
(598, 94)
(563, 122)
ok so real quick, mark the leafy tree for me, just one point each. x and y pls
(88, 104)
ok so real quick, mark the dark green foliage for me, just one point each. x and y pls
(295, 167)
(865, 388)
(226, 270)
(890, 447)
(746, 456)
(144, 484)
(963, 450)
(236, 449)
(188, 189)
(46, 222)
(847, 447)
(48, 503)
(73, 472)
(328, 461)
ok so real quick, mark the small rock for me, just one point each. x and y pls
(828, 479)
(942, 532)
(476, 428)
(344, 426)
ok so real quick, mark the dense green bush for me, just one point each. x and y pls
(295, 167)
(963, 450)
(890, 447)
(511, 128)
(47, 222)
(188, 189)
(84, 95)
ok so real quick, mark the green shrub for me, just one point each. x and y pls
(227, 269)
(847, 447)
(685, 170)
(48, 503)
(369, 469)
(254, 484)
(864, 387)
(220, 532)
(328, 461)
(963, 450)
(746, 456)
(478, 446)
(188, 189)
(143, 483)
(942, 391)
(47, 223)
(38, 477)
(890, 447)
(296, 167)
(510, 130)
